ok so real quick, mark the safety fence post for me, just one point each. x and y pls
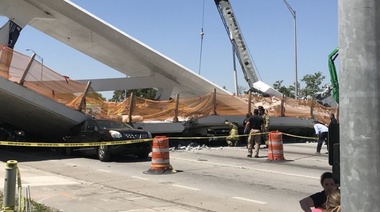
(214, 102)
(275, 146)
(282, 113)
(160, 157)
(9, 200)
(175, 118)
(249, 102)
(312, 107)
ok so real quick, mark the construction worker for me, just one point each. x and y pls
(246, 120)
(265, 129)
(323, 132)
(233, 138)
(254, 125)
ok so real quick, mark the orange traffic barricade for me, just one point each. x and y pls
(275, 146)
(160, 157)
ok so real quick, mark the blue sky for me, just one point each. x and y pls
(173, 28)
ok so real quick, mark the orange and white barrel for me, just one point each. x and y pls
(275, 146)
(160, 155)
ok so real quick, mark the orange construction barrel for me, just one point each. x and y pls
(160, 156)
(275, 146)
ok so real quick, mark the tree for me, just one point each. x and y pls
(313, 85)
(147, 93)
(288, 92)
(313, 82)
(95, 94)
(118, 96)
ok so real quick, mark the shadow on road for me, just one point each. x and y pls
(26, 154)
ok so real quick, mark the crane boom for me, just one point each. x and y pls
(237, 40)
(333, 75)
(240, 48)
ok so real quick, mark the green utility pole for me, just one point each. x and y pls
(9, 201)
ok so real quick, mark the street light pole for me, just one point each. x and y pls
(293, 12)
(39, 57)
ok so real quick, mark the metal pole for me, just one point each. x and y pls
(22, 80)
(42, 61)
(295, 57)
(293, 12)
(214, 102)
(235, 72)
(359, 50)
(175, 119)
(10, 185)
(82, 101)
(249, 101)
(282, 106)
(131, 101)
(312, 107)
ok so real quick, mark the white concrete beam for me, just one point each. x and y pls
(21, 12)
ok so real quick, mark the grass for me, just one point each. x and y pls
(36, 207)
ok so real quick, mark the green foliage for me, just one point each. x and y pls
(147, 93)
(118, 96)
(313, 85)
(100, 96)
(36, 207)
(287, 91)
(313, 82)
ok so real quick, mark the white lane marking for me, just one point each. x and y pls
(245, 167)
(285, 173)
(250, 200)
(190, 188)
(102, 170)
(140, 178)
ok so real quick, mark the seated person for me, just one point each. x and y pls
(318, 199)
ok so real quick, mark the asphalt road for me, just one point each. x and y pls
(207, 179)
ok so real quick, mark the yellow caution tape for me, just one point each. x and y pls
(297, 136)
(212, 137)
(108, 143)
(103, 143)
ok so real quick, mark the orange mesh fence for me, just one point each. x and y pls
(39, 78)
(69, 92)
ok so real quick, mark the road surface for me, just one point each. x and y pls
(207, 179)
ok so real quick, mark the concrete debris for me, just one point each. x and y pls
(193, 146)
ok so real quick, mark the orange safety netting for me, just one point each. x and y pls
(64, 90)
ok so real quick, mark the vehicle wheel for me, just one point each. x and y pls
(143, 155)
(104, 154)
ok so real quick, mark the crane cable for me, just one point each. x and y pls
(202, 34)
